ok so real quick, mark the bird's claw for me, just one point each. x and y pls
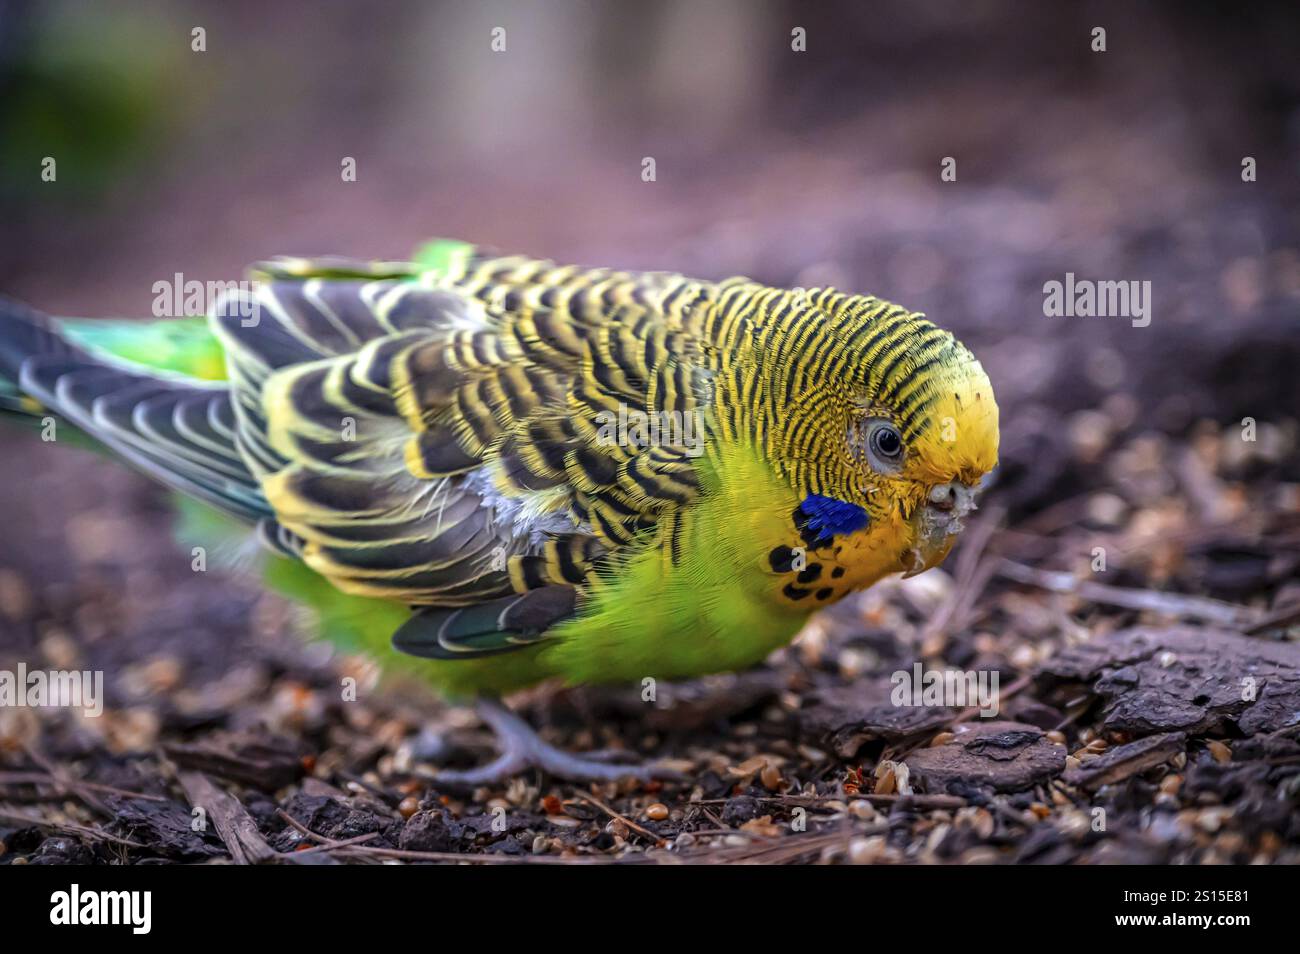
(523, 749)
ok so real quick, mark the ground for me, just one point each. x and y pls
(1131, 575)
(1136, 723)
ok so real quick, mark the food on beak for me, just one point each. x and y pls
(937, 525)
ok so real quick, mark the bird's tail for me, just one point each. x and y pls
(178, 429)
(24, 333)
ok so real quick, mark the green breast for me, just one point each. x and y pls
(719, 607)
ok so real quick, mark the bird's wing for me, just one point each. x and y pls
(437, 438)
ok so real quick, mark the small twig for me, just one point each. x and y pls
(332, 846)
(657, 839)
(1275, 620)
(71, 784)
(1157, 601)
(45, 778)
(323, 843)
(818, 801)
(66, 828)
(407, 855)
(235, 826)
(787, 849)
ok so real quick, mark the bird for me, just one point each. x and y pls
(495, 471)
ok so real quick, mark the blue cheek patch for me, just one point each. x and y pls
(818, 519)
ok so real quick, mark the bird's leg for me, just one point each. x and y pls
(522, 748)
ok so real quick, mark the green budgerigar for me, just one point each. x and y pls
(495, 470)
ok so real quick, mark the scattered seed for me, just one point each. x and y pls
(1222, 754)
(885, 780)
(862, 809)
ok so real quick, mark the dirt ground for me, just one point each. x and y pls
(1121, 691)
(1149, 704)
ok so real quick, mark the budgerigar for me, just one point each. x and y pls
(495, 471)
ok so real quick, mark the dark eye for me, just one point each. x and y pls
(886, 442)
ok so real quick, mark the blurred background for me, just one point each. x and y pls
(791, 167)
(794, 168)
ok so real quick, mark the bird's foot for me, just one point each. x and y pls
(521, 749)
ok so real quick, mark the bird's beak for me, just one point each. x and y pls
(936, 524)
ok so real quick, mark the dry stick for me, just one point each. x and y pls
(407, 855)
(45, 778)
(818, 801)
(72, 785)
(779, 851)
(1275, 620)
(235, 826)
(351, 846)
(324, 844)
(66, 828)
(332, 845)
(1172, 604)
(657, 839)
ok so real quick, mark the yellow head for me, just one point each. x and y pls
(877, 408)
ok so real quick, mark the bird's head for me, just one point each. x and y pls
(887, 413)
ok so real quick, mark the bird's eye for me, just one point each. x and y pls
(887, 442)
(877, 441)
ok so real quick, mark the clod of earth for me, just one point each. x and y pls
(1001, 756)
(1199, 681)
(847, 717)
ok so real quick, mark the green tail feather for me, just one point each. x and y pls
(180, 345)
